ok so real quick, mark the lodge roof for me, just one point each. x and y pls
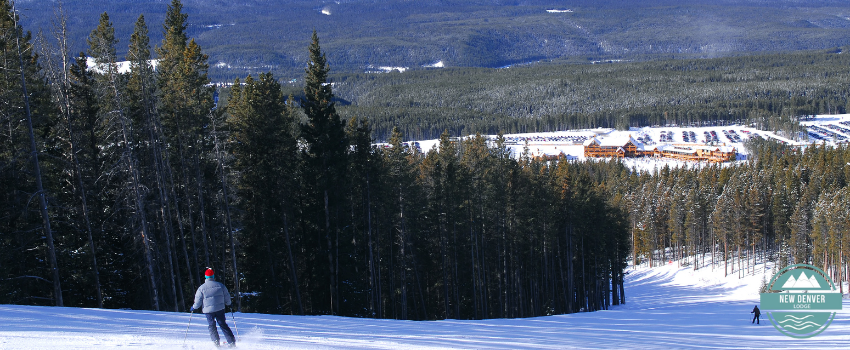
(613, 141)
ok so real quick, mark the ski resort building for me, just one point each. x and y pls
(628, 147)
(695, 152)
(613, 147)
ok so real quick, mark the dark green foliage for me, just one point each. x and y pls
(27, 275)
(102, 41)
(769, 91)
(323, 131)
(324, 153)
(265, 158)
(141, 84)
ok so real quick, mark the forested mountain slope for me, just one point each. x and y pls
(770, 91)
(251, 36)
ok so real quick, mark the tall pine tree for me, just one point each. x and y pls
(325, 155)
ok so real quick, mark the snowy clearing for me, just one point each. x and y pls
(385, 69)
(667, 307)
(438, 64)
(123, 67)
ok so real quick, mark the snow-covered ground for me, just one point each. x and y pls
(667, 308)
(123, 67)
(385, 69)
(438, 64)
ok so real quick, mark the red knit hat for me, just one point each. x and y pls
(209, 273)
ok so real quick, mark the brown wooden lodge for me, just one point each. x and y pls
(627, 147)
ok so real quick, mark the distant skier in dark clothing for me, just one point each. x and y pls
(756, 313)
(213, 296)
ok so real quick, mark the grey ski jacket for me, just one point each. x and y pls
(213, 296)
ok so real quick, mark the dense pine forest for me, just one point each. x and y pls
(770, 91)
(128, 185)
(119, 188)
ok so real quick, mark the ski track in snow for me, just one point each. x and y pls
(667, 307)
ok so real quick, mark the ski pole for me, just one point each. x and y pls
(234, 322)
(187, 327)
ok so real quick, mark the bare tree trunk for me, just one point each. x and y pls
(165, 185)
(177, 212)
(202, 216)
(292, 266)
(374, 297)
(615, 298)
(42, 198)
(166, 201)
(455, 270)
(402, 257)
(445, 267)
(165, 218)
(130, 161)
(169, 252)
(570, 282)
(273, 274)
(330, 253)
(503, 280)
(145, 234)
(418, 285)
(61, 35)
(230, 226)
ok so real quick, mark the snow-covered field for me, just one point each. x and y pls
(667, 308)
(123, 67)
(385, 69)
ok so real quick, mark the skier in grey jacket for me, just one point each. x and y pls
(213, 296)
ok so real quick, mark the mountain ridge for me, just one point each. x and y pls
(252, 36)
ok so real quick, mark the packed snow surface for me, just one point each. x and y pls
(667, 307)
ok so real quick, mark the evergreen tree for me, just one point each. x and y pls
(184, 106)
(123, 148)
(101, 43)
(27, 244)
(81, 152)
(325, 155)
(141, 84)
(266, 160)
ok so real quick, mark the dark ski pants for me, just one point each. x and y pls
(218, 316)
(755, 319)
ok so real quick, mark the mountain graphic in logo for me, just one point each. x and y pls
(801, 301)
(802, 282)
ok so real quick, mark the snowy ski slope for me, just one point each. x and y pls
(667, 308)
